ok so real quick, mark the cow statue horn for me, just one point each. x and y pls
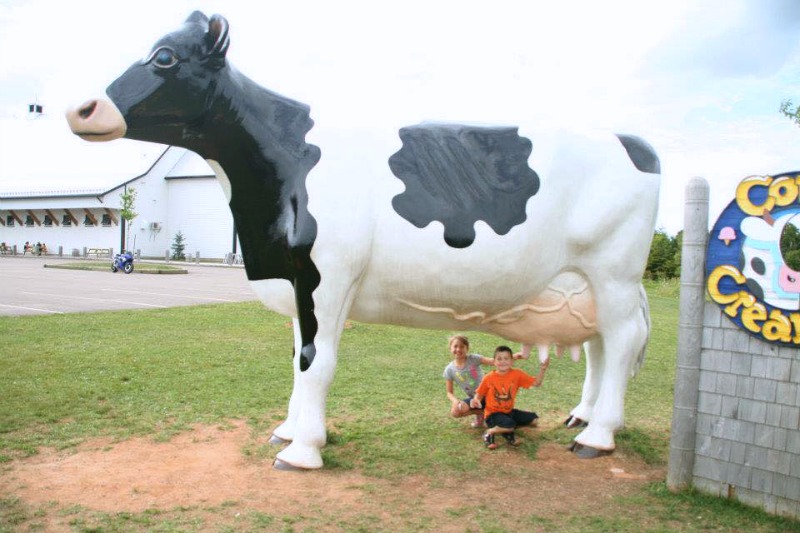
(537, 237)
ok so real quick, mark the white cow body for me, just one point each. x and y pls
(588, 228)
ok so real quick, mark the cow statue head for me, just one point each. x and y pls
(164, 97)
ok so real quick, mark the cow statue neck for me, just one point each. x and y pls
(537, 237)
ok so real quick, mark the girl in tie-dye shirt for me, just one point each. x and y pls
(465, 370)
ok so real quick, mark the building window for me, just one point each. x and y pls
(87, 221)
(48, 221)
(66, 221)
(106, 219)
(28, 220)
(9, 220)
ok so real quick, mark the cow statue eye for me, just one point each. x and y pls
(163, 57)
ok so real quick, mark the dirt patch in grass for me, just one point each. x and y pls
(207, 468)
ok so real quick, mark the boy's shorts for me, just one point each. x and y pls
(511, 420)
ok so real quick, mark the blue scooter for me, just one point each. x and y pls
(122, 262)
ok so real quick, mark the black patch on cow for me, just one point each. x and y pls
(460, 174)
(642, 155)
(758, 266)
(755, 289)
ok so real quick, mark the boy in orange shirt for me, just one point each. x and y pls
(499, 389)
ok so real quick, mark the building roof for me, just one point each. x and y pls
(41, 157)
(190, 165)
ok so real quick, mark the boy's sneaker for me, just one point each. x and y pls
(511, 438)
(488, 440)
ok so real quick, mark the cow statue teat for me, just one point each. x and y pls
(541, 239)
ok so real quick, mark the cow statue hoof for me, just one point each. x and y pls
(277, 441)
(298, 456)
(587, 452)
(285, 467)
(575, 422)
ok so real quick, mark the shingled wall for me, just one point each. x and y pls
(747, 444)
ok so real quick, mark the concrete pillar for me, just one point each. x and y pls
(60, 251)
(690, 335)
(166, 256)
(197, 257)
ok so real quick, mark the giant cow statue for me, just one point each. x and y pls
(539, 239)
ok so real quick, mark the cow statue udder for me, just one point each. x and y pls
(539, 239)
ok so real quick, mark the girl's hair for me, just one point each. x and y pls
(464, 340)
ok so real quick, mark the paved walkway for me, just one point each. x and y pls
(27, 288)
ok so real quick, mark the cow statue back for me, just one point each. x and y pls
(539, 238)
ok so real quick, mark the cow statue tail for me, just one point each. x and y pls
(645, 309)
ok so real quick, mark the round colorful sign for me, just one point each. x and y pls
(747, 274)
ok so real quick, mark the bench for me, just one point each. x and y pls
(98, 252)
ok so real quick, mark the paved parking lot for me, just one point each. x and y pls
(28, 288)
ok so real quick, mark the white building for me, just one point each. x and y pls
(65, 192)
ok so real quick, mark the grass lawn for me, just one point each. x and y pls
(67, 378)
(104, 266)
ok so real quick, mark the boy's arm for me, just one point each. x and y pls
(475, 403)
(540, 375)
(479, 395)
(487, 361)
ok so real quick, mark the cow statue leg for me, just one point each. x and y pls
(624, 331)
(305, 421)
(284, 433)
(582, 413)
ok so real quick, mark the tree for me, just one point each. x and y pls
(664, 259)
(790, 246)
(789, 110)
(178, 246)
(127, 212)
(678, 254)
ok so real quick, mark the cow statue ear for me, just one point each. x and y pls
(217, 38)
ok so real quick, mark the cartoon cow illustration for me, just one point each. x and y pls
(539, 238)
(769, 278)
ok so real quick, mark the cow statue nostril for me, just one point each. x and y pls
(87, 109)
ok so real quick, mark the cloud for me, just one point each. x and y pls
(700, 81)
(730, 38)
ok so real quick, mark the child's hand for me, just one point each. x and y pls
(519, 355)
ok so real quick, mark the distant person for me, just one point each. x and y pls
(498, 391)
(464, 369)
(38, 248)
(26, 248)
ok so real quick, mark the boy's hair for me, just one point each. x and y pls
(464, 340)
(503, 348)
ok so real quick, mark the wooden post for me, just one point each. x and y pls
(690, 336)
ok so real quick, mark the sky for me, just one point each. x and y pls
(700, 80)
